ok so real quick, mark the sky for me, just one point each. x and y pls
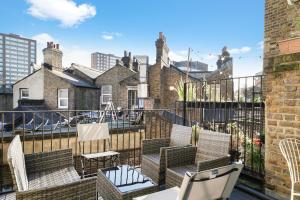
(112, 26)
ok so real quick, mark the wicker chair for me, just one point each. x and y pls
(153, 152)
(217, 183)
(49, 175)
(211, 152)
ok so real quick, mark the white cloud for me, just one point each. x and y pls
(66, 11)
(76, 54)
(71, 54)
(178, 56)
(107, 37)
(111, 35)
(261, 44)
(43, 38)
(210, 57)
(240, 50)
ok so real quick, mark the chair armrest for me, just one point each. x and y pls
(215, 163)
(180, 156)
(46, 161)
(151, 146)
(81, 189)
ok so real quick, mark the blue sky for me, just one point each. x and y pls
(112, 26)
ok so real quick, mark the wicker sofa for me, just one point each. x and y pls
(211, 152)
(49, 175)
(153, 162)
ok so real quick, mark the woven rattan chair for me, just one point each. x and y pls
(216, 183)
(153, 152)
(49, 175)
(290, 148)
(211, 152)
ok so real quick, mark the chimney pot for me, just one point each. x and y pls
(161, 35)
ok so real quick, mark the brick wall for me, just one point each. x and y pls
(52, 84)
(282, 90)
(154, 80)
(280, 24)
(113, 77)
(6, 102)
(282, 119)
(87, 99)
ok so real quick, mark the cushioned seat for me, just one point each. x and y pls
(175, 174)
(153, 162)
(53, 178)
(211, 152)
(47, 175)
(152, 157)
(183, 169)
(216, 183)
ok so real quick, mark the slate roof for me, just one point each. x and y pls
(73, 80)
(90, 72)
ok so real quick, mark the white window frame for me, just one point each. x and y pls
(105, 94)
(21, 93)
(63, 98)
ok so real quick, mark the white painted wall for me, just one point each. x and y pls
(35, 84)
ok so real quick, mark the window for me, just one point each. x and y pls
(24, 93)
(63, 98)
(106, 94)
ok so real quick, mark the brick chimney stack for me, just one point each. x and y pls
(53, 56)
(162, 50)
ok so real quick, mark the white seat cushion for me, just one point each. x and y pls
(169, 194)
(16, 160)
(53, 178)
(100, 155)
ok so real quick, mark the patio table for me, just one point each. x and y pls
(123, 183)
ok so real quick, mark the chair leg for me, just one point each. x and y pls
(82, 167)
(292, 192)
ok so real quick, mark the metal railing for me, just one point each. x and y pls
(43, 131)
(232, 105)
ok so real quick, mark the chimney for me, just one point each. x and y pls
(53, 56)
(162, 50)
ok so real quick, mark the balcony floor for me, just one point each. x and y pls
(236, 195)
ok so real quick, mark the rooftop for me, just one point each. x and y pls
(90, 72)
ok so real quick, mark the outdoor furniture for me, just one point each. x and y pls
(153, 152)
(95, 132)
(211, 184)
(289, 148)
(49, 127)
(29, 126)
(47, 175)
(123, 183)
(211, 152)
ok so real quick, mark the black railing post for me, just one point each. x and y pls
(184, 103)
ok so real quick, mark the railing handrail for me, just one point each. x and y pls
(43, 111)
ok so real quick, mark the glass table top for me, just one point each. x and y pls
(126, 178)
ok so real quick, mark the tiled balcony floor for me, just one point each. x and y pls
(236, 195)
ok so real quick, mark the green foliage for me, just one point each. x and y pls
(191, 91)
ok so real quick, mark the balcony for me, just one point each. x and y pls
(45, 131)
